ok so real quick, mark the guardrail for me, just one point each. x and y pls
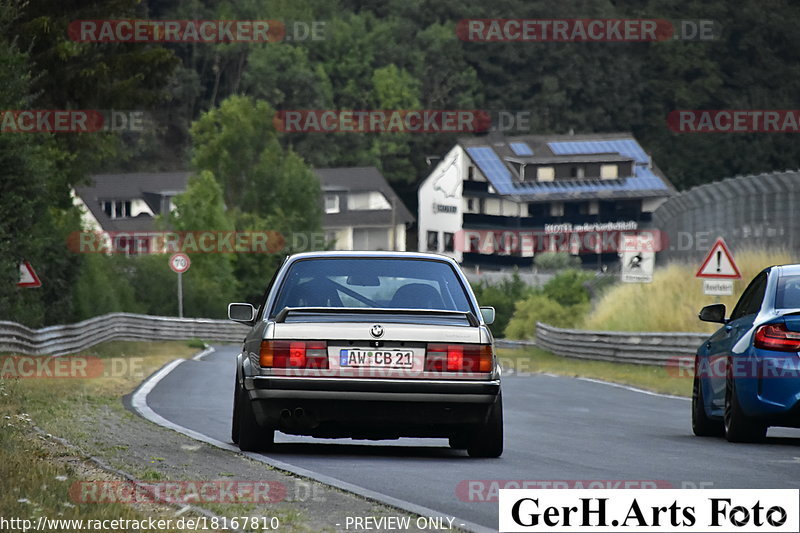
(615, 346)
(618, 346)
(60, 340)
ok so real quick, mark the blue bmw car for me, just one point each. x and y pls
(747, 374)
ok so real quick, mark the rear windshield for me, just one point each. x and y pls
(788, 296)
(372, 283)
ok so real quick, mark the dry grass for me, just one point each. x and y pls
(671, 302)
(653, 378)
(34, 473)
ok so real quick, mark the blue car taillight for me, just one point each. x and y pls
(777, 337)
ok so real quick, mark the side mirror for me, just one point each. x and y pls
(488, 314)
(242, 313)
(713, 313)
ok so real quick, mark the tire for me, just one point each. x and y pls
(251, 436)
(488, 440)
(738, 426)
(235, 415)
(702, 424)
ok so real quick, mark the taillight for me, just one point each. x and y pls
(294, 354)
(459, 358)
(777, 337)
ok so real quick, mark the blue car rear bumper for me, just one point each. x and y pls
(768, 385)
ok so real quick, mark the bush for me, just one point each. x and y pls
(196, 343)
(567, 288)
(556, 260)
(540, 308)
(502, 296)
(562, 302)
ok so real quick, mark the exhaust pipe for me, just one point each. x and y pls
(299, 412)
(286, 414)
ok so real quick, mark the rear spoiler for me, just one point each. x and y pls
(286, 311)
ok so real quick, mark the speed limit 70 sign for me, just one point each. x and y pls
(179, 263)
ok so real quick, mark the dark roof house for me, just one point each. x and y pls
(130, 202)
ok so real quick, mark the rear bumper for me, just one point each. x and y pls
(370, 409)
(372, 390)
(768, 386)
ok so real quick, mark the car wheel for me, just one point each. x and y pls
(488, 440)
(235, 415)
(252, 437)
(702, 424)
(739, 427)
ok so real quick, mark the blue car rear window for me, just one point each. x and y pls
(788, 295)
(372, 283)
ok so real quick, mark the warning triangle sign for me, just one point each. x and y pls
(719, 263)
(27, 276)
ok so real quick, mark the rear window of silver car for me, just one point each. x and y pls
(372, 283)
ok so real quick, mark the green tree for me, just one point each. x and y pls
(103, 287)
(238, 143)
(266, 187)
(34, 225)
(40, 169)
(209, 284)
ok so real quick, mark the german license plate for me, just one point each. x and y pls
(376, 358)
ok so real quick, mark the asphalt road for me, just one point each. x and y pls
(557, 428)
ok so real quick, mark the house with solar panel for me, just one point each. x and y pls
(496, 201)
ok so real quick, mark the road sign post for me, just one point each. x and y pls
(718, 270)
(180, 263)
(180, 294)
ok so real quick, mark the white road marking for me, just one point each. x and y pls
(207, 351)
(634, 389)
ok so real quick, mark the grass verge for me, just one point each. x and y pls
(528, 360)
(36, 472)
(671, 302)
(83, 406)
